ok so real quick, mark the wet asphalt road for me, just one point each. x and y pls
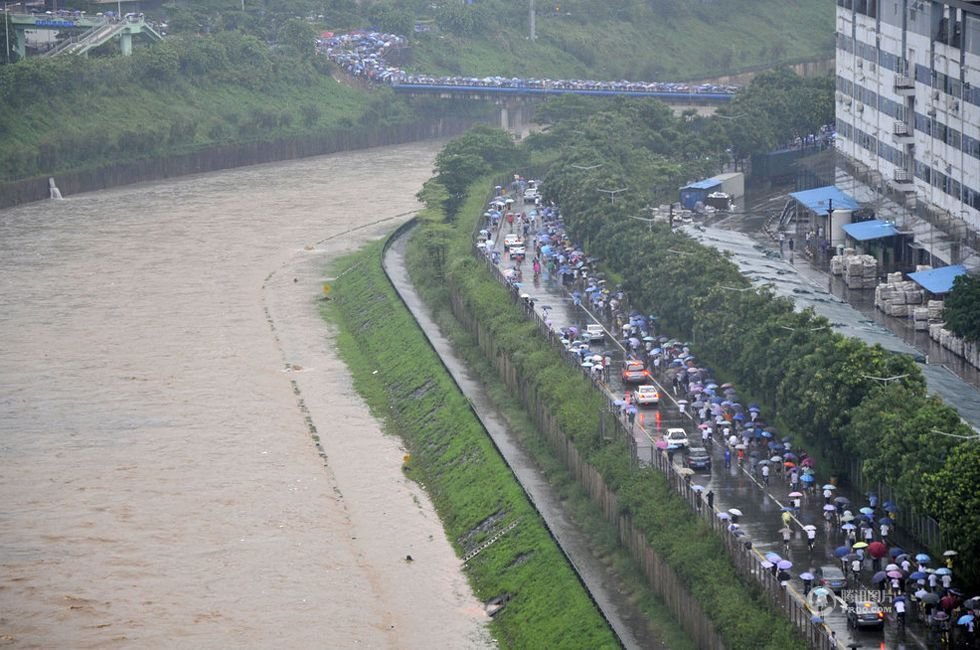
(810, 288)
(736, 487)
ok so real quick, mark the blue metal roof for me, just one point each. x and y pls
(873, 229)
(817, 200)
(706, 184)
(938, 280)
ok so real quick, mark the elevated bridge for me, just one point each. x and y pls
(85, 32)
(514, 101)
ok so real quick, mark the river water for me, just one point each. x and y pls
(162, 365)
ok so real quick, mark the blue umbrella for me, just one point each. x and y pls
(890, 506)
(881, 576)
(886, 520)
(841, 551)
(922, 557)
(917, 575)
(806, 575)
(807, 478)
(773, 557)
(753, 408)
(738, 416)
(895, 551)
(943, 572)
(966, 619)
(829, 486)
(766, 434)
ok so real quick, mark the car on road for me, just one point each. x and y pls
(831, 577)
(676, 437)
(516, 251)
(512, 239)
(634, 372)
(646, 395)
(865, 614)
(595, 332)
(698, 458)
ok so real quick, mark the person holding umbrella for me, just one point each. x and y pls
(807, 577)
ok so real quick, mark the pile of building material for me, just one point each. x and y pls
(901, 299)
(935, 309)
(920, 318)
(969, 350)
(859, 271)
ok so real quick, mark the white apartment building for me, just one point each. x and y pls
(908, 98)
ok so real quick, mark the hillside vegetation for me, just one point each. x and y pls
(227, 76)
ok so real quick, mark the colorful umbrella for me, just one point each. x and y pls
(877, 550)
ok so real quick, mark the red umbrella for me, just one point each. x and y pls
(877, 550)
(807, 462)
(949, 602)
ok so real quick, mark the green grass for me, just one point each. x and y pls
(697, 41)
(602, 537)
(738, 609)
(471, 487)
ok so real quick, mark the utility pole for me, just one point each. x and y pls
(531, 18)
(6, 30)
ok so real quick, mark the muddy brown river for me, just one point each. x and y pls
(161, 364)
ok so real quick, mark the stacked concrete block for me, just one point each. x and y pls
(935, 309)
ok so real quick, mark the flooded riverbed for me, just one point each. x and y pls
(162, 365)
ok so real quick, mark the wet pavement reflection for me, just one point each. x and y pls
(762, 505)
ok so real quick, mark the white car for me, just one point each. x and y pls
(677, 437)
(646, 395)
(595, 332)
(512, 239)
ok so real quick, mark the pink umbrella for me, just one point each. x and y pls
(661, 444)
(807, 462)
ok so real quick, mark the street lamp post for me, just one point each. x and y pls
(830, 229)
(612, 193)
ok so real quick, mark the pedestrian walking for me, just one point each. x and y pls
(710, 496)
(728, 458)
(811, 538)
(856, 570)
(765, 473)
(787, 536)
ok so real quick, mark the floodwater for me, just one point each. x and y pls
(163, 369)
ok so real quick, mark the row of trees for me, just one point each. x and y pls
(818, 382)
(439, 258)
(962, 312)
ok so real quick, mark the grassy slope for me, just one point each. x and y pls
(741, 613)
(703, 41)
(473, 490)
(137, 108)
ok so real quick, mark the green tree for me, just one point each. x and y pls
(298, 38)
(962, 308)
(953, 499)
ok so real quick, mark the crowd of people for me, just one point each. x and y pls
(909, 583)
(363, 55)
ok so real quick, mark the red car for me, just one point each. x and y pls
(635, 372)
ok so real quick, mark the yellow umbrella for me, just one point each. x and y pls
(860, 545)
